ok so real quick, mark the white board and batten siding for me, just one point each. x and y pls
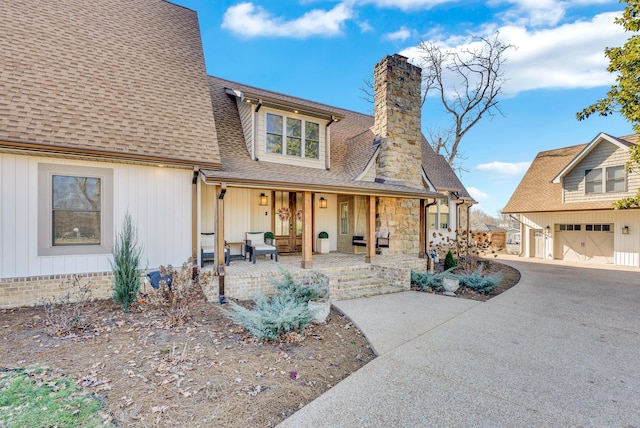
(243, 213)
(159, 200)
(626, 247)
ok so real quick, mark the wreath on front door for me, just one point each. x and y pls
(284, 214)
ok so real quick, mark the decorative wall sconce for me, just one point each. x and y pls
(262, 200)
(625, 230)
(322, 203)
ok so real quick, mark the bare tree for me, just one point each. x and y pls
(467, 83)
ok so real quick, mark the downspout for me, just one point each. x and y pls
(194, 214)
(220, 256)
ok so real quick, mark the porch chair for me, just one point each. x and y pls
(255, 246)
(208, 248)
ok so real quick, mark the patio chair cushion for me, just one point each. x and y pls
(255, 238)
(264, 247)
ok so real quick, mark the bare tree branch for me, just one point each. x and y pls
(467, 84)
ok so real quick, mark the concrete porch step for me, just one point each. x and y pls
(348, 293)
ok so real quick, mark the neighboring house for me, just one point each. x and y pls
(103, 117)
(565, 199)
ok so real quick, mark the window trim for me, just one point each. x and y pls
(285, 136)
(614, 180)
(592, 181)
(45, 210)
(604, 180)
(344, 219)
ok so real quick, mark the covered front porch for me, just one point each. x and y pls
(348, 275)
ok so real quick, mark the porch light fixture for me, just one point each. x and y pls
(322, 203)
(625, 230)
(262, 200)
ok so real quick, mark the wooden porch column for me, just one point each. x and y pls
(219, 259)
(371, 230)
(307, 231)
(423, 233)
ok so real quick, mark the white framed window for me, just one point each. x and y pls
(612, 180)
(344, 218)
(438, 215)
(292, 136)
(593, 180)
(616, 179)
(75, 210)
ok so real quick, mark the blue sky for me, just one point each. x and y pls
(324, 50)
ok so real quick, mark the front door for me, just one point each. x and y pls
(288, 221)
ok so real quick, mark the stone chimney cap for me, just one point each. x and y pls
(400, 57)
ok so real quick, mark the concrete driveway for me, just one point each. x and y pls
(562, 348)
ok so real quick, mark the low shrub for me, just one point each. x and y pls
(282, 313)
(425, 281)
(449, 261)
(68, 314)
(479, 283)
(174, 300)
(323, 235)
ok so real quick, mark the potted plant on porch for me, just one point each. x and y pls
(322, 244)
(269, 238)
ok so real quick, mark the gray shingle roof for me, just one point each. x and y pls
(351, 150)
(115, 77)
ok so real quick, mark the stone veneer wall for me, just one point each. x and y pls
(397, 120)
(401, 218)
(36, 290)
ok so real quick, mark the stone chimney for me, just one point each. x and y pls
(397, 121)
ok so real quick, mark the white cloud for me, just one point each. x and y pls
(566, 57)
(401, 35)
(248, 20)
(504, 168)
(404, 4)
(478, 194)
(534, 12)
(365, 27)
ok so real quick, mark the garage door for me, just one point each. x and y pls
(584, 242)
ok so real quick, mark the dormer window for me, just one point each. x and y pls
(293, 137)
(613, 180)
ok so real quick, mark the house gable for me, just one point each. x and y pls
(282, 131)
(603, 158)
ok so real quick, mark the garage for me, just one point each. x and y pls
(584, 242)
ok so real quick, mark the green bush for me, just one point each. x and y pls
(479, 283)
(424, 281)
(449, 261)
(286, 311)
(126, 264)
(323, 235)
(269, 235)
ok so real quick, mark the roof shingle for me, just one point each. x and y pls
(119, 77)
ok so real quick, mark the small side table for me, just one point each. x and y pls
(233, 255)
